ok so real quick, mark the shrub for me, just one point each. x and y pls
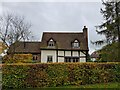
(17, 58)
(37, 76)
(13, 76)
(59, 74)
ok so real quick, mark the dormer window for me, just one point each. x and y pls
(51, 43)
(76, 44)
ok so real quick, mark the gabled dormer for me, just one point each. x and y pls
(75, 44)
(51, 43)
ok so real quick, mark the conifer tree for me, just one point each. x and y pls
(111, 25)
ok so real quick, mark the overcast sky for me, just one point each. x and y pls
(59, 17)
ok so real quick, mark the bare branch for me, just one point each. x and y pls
(13, 28)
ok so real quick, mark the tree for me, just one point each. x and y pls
(13, 28)
(109, 53)
(111, 26)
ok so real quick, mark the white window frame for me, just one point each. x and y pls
(76, 44)
(51, 43)
(49, 59)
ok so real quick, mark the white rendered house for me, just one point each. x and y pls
(64, 47)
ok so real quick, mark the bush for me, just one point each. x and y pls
(37, 76)
(13, 76)
(59, 74)
(17, 58)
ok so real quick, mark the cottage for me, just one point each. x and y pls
(56, 47)
(95, 56)
(26, 48)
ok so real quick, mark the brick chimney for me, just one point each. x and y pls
(85, 33)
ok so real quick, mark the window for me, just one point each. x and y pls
(35, 57)
(76, 44)
(67, 59)
(49, 59)
(75, 59)
(71, 59)
(51, 43)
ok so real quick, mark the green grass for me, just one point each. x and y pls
(98, 86)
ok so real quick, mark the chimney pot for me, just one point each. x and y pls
(85, 27)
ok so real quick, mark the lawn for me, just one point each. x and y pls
(106, 85)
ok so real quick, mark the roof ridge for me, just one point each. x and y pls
(31, 41)
(63, 32)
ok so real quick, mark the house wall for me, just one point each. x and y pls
(46, 53)
(38, 57)
(82, 54)
(60, 59)
(67, 53)
(93, 59)
(75, 53)
(83, 59)
(61, 55)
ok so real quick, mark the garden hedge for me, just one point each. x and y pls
(58, 74)
(17, 58)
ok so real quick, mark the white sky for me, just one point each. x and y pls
(58, 16)
(50, 0)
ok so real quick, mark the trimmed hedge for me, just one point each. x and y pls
(59, 74)
(17, 58)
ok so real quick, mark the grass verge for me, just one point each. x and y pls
(98, 86)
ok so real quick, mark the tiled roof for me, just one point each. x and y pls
(95, 55)
(25, 47)
(64, 40)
